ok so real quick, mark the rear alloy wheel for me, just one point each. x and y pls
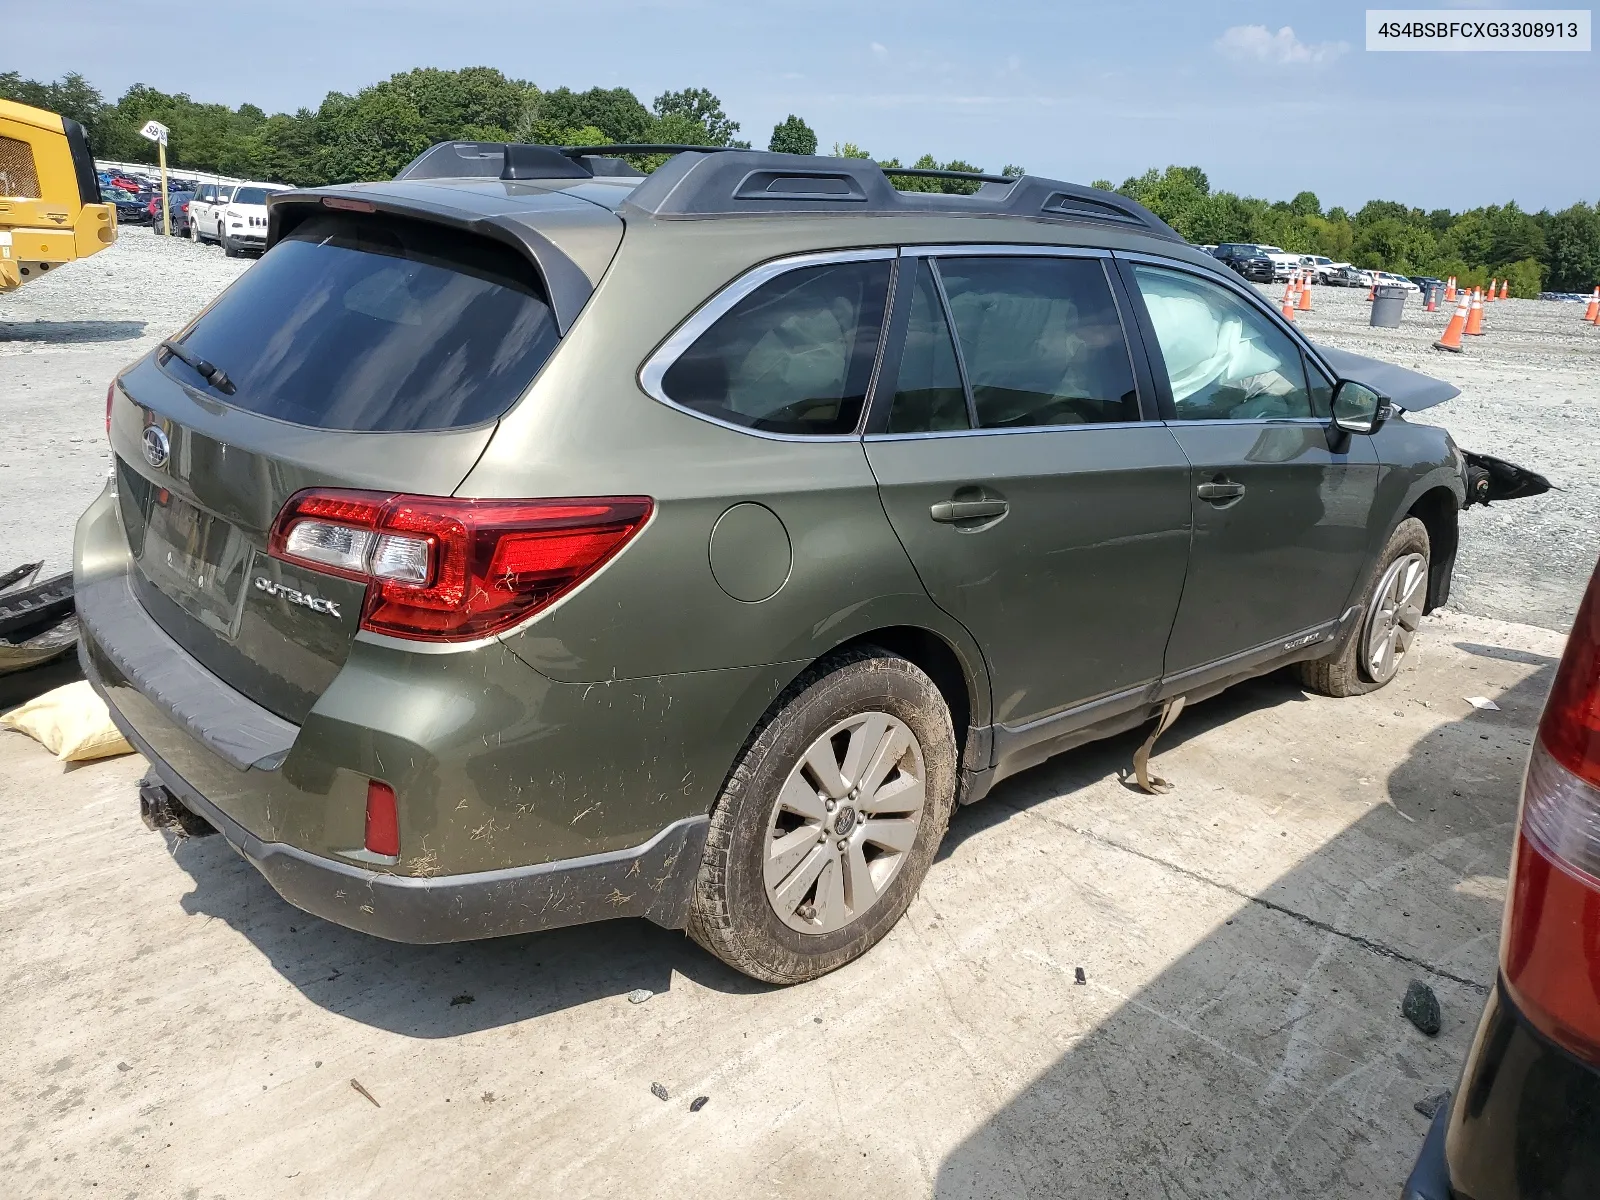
(829, 820)
(1372, 653)
(844, 822)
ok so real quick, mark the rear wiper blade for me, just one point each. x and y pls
(214, 375)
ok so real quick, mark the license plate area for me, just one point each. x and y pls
(199, 561)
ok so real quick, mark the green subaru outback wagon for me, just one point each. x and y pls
(524, 542)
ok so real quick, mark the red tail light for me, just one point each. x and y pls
(383, 820)
(1550, 953)
(443, 569)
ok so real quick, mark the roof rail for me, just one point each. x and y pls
(941, 173)
(702, 181)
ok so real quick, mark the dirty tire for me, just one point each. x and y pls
(730, 913)
(1341, 673)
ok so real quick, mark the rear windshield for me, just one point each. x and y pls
(377, 325)
(250, 195)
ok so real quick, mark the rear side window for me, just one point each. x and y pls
(377, 325)
(1040, 340)
(250, 195)
(928, 396)
(794, 356)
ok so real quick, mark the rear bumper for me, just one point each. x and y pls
(1524, 1123)
(651, 881)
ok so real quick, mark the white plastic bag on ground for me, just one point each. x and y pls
(70, 722)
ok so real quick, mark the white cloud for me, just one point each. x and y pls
(879, 50)
(1257, 43)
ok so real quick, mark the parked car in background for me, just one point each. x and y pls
(1524, 1122)
(205, 211)
(1347, 276)
(1284, 264)
(242, 224)
(1390, 279)
(1321, 266)
(178, 206)
(379, 528)
(1247, 259)
(132, 209)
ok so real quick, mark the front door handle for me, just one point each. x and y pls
(1220, 490)
(950, 511)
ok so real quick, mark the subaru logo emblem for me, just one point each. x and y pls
(156, 447)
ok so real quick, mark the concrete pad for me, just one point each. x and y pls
(172, 1028)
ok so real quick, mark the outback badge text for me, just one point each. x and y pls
(314, 603)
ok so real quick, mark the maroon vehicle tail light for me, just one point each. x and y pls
(444, 569)
(1550, 953)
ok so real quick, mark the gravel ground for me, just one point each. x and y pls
(1530, 393)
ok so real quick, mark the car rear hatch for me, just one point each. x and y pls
(368, 349)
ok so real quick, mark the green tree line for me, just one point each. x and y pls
(376, 131)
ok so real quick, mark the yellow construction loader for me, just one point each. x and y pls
(50, 207)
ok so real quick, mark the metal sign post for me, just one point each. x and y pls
(157, 133)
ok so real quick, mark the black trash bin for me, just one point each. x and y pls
(1387, 306)
(1433, 294)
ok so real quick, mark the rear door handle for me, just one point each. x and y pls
(950, 511)
(1220, 491)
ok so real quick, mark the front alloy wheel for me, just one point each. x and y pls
(1393, 617)
(844, 822)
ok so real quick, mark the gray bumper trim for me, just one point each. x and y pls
(653, 881)
(214, 714)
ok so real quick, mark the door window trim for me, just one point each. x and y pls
(661, 360)
(886, 376)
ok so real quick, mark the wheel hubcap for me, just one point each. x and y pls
(844, 822)
(1393, 617)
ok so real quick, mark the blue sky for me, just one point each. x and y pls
(1267, 97)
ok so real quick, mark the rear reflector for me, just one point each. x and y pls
(1550, 953)
(383, 820)
(444, 569)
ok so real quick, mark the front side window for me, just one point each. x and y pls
(224, 194)
(1040, 341)
(251, 195)
(1224, 359)
(794, 356)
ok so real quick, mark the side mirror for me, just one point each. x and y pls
(1358, 408)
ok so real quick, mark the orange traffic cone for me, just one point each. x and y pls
(1475, 317)
(1451, 338)
(1372, 292)
(1489, 298)
(1433, 300)
(1305, 294)
(1287, 308)
(1592, 313)
(1450, 290)
(1505, 289)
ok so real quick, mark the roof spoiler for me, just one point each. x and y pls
(567, 287)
